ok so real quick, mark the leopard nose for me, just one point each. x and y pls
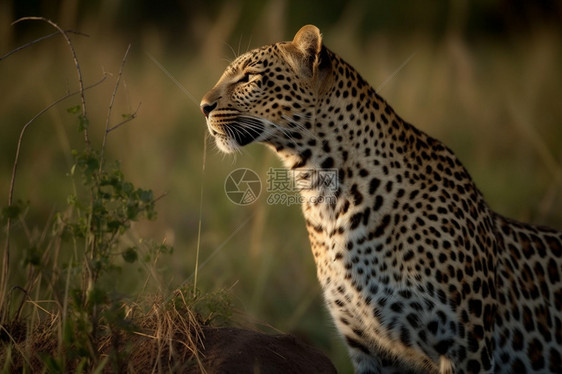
(207, 108)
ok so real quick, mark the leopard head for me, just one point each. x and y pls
(269, 94)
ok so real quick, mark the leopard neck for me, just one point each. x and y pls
(350, 131)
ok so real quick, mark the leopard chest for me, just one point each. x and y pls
(345, 247)
(352, 267)
(373, 298)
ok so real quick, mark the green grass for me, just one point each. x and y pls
(495, 103)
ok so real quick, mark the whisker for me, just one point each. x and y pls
(239, 42)
(228, 131)
(255, 124)
(231, 49)
(249, 42)
(244, 129)
(254, 127)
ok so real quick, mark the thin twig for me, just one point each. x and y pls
(129, 118)
(76, 64)
(25, 294)
(196, 272)
(221, 246)
(15, 167)
(39, 40)
(111, 106)
(160, 197)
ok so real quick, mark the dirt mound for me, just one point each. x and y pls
(228, 350)
(210, 350)
(233, 350)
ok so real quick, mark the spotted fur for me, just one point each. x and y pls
(418, 273)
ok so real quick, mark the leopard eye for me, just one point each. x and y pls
(246, 77)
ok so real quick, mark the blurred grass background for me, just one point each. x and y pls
(485, 77)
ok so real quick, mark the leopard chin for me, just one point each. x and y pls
(225, 144)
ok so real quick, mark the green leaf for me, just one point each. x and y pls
(132, 211)
(14, 211)
(128, 188)
(72, 200)
(73, 109)
(151, 214)
(146, 196)
(101, 365)
(97, 296)
(76, 295)
(80, 368)
(84, 123)
(52, 365)
(114, 226)
(11, 212)
(32, 256)
(130, 255)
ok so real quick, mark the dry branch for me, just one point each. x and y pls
(76, 64)
(107, 128)
(37, 41)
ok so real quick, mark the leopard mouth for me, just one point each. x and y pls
(243, 130)
(242, 134)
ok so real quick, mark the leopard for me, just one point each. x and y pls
(418, 273)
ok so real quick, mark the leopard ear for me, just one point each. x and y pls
(308, 41)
